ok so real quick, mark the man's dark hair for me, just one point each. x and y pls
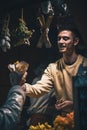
(70, 27)
(68, 24)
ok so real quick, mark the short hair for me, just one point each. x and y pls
(70, 27)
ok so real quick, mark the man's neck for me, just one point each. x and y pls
(70, 59)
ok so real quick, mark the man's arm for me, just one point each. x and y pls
(10, 112)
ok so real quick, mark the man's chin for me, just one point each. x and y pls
(62, 50)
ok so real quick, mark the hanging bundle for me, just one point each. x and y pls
(45, 24)
(23, 34)
(5, 35)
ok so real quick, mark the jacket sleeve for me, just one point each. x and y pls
(10, 112)
(42, 86)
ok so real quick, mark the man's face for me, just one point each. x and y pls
(66, 42)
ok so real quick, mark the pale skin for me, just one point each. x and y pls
(66, 44)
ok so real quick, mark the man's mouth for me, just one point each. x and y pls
(62, 46)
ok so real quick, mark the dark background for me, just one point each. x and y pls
(33, 55)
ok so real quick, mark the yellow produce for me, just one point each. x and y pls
(60, 123)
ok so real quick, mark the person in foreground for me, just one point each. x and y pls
(59, 74)
(10, 112)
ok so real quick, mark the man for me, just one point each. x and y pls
(59, 74)
(10, 112)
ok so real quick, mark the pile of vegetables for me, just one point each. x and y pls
(60, 123)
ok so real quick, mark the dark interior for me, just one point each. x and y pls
(30, 53)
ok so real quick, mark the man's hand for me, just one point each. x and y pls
(23, 79)
(65, 104)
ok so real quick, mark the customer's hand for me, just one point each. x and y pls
(17, 78)
(64, 104)
(23, 79)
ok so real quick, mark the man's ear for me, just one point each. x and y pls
(76, 41)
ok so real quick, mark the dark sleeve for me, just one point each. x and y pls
(10, 112)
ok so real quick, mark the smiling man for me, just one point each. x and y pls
(59, 74)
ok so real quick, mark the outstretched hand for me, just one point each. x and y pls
(23, 79)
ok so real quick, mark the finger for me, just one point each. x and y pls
(58, 107)
(23, 80)
(24, 75)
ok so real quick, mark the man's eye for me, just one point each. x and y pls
(65, 38)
